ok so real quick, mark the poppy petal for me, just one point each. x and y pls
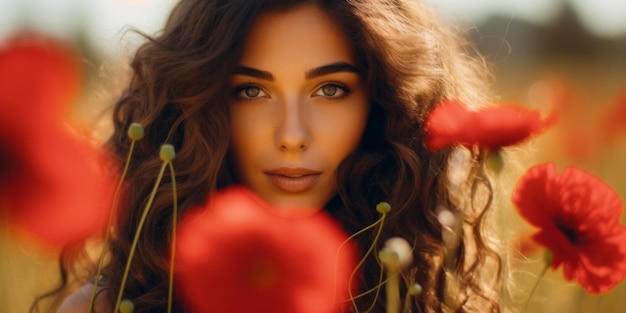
(52, 182)
(38, 76)
(536, 195)
(578, 216)
(602, 264)
(451, 123)
(236, 255)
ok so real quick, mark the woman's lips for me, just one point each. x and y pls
(293, 180)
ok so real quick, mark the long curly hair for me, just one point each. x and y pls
(179, 93)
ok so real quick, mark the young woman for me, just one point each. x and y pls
(313, 103)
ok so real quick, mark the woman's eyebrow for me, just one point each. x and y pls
(331, 68)
(309, 74)
(249, 71)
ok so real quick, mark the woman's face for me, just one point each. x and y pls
(299, 107)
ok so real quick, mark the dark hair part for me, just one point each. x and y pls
(178, 91)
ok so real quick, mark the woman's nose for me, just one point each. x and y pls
(292, 134)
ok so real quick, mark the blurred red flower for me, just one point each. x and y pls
(237, 255)
(39, 76)
(53, 183)
(578, 219)
(613, 120)
(451, 123)
(577, 132)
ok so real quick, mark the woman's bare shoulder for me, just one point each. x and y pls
(78, 301)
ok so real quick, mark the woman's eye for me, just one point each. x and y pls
(250, 92)
(332, 91)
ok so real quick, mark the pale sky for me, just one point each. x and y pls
(106, 20)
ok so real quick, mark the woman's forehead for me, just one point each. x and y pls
(302, 37)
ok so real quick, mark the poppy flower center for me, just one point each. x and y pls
(572, 235)
(8, 165)
(263, 274)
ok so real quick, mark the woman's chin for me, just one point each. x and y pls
(290, 205)
(295, 210)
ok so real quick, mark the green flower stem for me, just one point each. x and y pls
(173, 239)
(539, 279)
(407, 302)
(107, 235)
(377, 289)
(381, 222)
(136, 238)
(392, 288)
(341, 247)
(412, 291)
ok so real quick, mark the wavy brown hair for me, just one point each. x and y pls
(179, 92)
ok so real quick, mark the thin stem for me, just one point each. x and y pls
(341, 247)
(407, 301)
(105, 244)
(173, 239)
(539, 279)
(136, 238)
(393, 291)
(381, 221)
(377, 288)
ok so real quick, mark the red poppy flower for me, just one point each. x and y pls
(577, 132)
(38, 76)
(613, 120)
(52, 182)
(451, 123)
(578, 219)
(238, 255)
